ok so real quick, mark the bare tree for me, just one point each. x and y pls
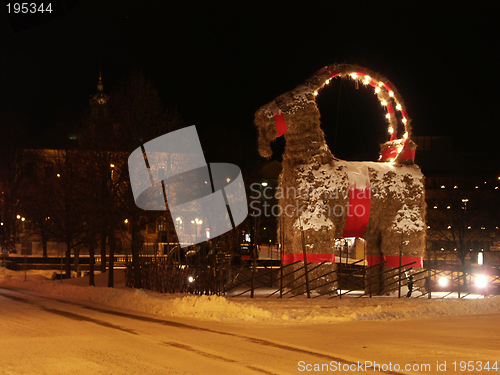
(36, 188)
(133, 115)
(458, 220)
(14, 134)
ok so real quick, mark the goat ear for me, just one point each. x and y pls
(267, 133)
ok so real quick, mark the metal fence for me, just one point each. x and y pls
(271, 279)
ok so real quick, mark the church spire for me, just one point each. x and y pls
(100, 87)
(99, 98)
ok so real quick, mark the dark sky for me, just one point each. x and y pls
(217, 62)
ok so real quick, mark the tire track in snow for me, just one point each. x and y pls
(215, 356)
(253, 340)
(78, 317)
(69, 315)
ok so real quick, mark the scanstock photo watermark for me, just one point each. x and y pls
(263, 201)
(415, 367)
(170, 173)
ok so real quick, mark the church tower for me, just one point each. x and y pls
(99, 99)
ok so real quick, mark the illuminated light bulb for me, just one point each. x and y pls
(380, 84)
(354, 75)
(368, 78)
(481, 281)
(377, 90)
(405, 120)
(315, 93)
(383, 102)
(391, 93)
(391, 130)
(398, 107)
(327, 82)
(443, 281)
(388, 115)
(405, 135)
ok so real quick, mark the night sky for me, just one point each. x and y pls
(218, 62)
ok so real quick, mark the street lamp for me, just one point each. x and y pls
(465, 200)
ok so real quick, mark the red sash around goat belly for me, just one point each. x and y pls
(358, 212)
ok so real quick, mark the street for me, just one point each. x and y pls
(43, 335)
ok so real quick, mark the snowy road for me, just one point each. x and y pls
(40, 334)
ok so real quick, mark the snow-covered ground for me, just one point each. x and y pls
(65, 327)
(264, 310)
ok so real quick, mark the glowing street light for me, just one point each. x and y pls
(481, 281)
(443, 281)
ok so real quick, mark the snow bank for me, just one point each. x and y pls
(242, 309)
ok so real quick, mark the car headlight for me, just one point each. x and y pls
(481, 281)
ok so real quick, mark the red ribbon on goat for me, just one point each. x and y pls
(279, 119)
(358, 210)
(391, 153)
(407, 153)
(358, 213)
